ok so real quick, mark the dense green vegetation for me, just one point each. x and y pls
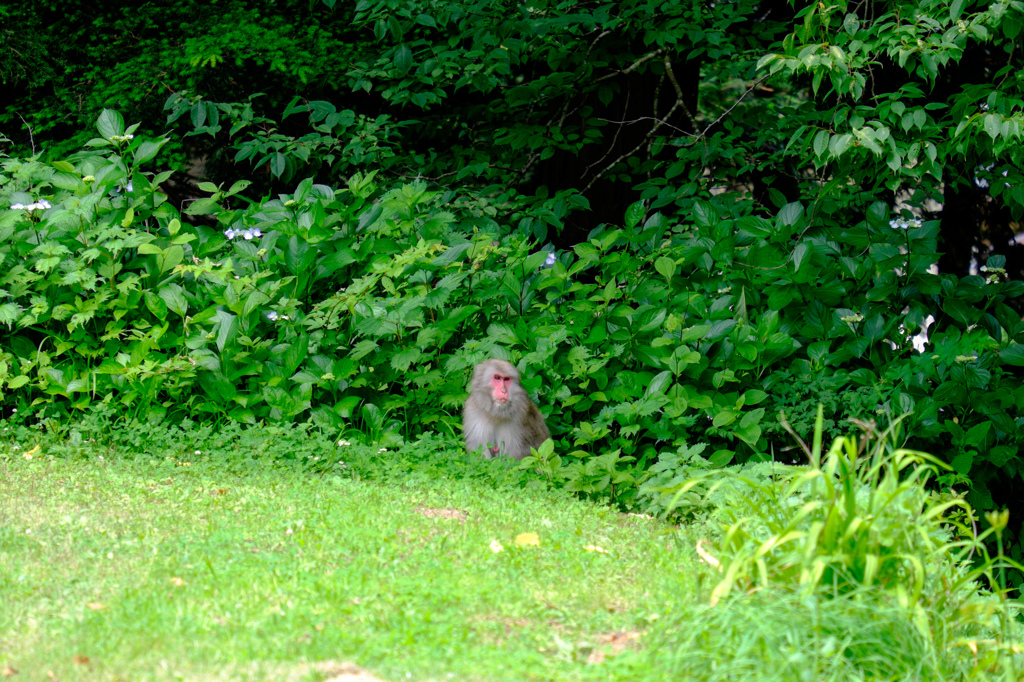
(267, 553)
(690, 224)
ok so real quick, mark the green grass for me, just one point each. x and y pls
(192, 553)
(158, 569)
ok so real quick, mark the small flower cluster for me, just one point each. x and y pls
(273, 316)
(41, 204)
(121, 138)
(248, 233)
(898, 224)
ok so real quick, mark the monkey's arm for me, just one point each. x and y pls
(475, 430)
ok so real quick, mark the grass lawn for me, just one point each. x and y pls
(162, 569)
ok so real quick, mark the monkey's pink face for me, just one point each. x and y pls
(499, 387)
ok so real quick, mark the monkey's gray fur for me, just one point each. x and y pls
(507, 429)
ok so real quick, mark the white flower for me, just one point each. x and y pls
(247, 234)
(343, 443)
(271, 315)
(229, 233)
(17, 207)
(129, 185)
(550, 259)
(496, 546)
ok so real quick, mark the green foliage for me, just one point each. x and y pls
(795, 399)
(778, 635)
(752, 211)
(73, 61)
(859, 519)
(850, 538)
(364, 308)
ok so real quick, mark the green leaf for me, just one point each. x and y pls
(962, 463)
(752, 418)
(874, 328)
(724, 418)
(169, 258)
(403, 60)
(790, 214)
(156, 306)
(174, 296)
(659, 384)
(977, 433)
(296, 354)
(198, 114)
(203, 206)
(749, 434)
(820, 143)
(237, 187)
(752, 396)
(721, 458)
(704, 214)
(799, 253)
(109, 124)
(9, 312)
(962, 313)
(634, 214)
(955, 10)
(851, 24)
(665, 266)
(148, 150)
(405, 358)
(217, 386)
(256, 299)
(68, 181)
(278, 164)
(993, 123)
(362, 349)
(950, 392)
(1013, 355)
(227, 328)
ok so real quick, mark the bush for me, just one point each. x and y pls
(846, 568)
(362, 309)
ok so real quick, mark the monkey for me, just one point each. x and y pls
(498, 415)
